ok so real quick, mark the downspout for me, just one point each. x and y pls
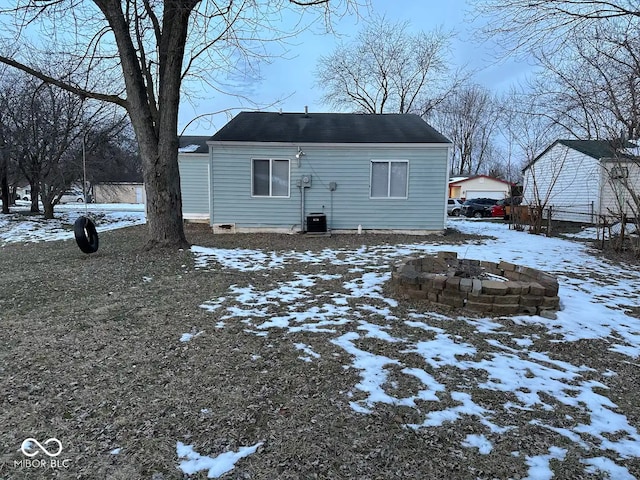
(302, 230)
(332, 188)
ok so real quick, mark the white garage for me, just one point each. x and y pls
(480, 186)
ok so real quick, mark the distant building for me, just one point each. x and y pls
(479, 186)
(583, 179)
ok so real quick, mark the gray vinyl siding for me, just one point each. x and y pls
(350, 168)
(194, 184)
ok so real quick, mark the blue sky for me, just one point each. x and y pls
(292, 78)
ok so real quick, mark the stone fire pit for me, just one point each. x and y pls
(499, 288)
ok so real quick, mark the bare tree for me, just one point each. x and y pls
(469, 117)
(48, 127)
(526, 24)
(539, 185)
(526, 126)
(386, 69)
(154, 44)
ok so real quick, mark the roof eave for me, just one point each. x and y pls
(309, 144)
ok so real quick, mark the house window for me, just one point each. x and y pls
(619, 172)
(389, 179)
(270, 177)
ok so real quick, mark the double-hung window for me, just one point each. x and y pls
(389, 178)
(269, 177)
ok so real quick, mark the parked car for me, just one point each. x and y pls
(501, 209)
(478, 207)
(72, 196)
(498, 210)
(454, 207)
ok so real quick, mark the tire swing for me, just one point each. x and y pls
(86, 235)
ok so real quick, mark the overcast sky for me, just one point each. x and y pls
(292, 78)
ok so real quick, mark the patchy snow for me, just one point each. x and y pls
(215, 466)
(608, 467)
(539, 465)
(21, 227)
(526, 378)
(310, 354)
(480, 442)
(187, 337)
(349, 315)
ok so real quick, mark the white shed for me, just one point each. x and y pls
(582, 179)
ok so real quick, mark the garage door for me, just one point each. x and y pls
(499, 195)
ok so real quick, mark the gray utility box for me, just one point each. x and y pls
(316, 223)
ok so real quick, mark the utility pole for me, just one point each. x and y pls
(4, 167)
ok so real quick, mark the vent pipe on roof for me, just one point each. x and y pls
(306, 111)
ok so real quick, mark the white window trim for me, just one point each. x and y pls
(388, 197)
(271, 160)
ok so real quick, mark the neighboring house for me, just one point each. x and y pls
(479, 186)
(291, 172)
(195, 177)
(582, 179)
(119, 192)
(122, 185)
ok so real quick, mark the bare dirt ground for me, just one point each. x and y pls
(90, 354)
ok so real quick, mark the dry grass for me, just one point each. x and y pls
(90, 354)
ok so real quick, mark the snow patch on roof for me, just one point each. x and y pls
(188, 148)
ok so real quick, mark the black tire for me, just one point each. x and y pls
(86, 235)
(456, 212)
(478, 214)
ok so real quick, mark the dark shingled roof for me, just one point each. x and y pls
(328, 128)
(187, 144)
(597, 148)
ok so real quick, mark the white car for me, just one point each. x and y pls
(72, 196)
(454, 207)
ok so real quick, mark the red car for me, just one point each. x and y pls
(498, 210)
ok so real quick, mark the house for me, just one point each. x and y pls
(123, 184)
(479, 186)
(581, 180)
(195, 178)
(293, 172)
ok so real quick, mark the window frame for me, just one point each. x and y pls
(619, 172)
(271, 161)
(388, 196)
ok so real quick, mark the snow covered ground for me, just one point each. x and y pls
(594, 293)
(19, 227)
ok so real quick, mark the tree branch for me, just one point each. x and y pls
(64, 85)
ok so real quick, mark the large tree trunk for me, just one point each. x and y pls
(156, 128)
(48, 210)
(162, 185)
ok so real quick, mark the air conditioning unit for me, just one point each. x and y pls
(316, 223)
